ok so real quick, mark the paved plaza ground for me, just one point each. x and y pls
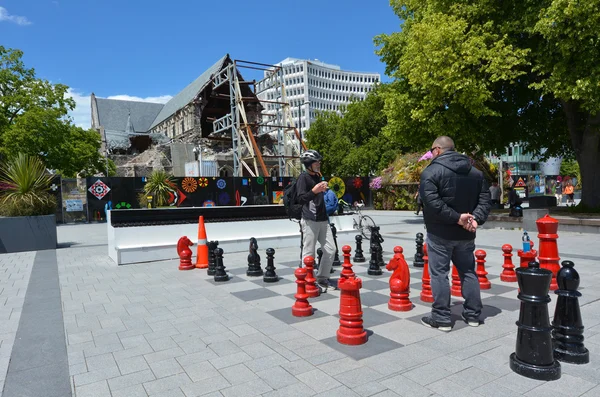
(72, 322)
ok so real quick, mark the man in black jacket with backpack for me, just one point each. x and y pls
(310, 191)
(456, 198)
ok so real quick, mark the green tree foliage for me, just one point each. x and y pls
(34, 120)
(489, 73)
(352, 143)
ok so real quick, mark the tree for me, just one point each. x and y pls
(34, 120)
(489, 73)
(352, 143)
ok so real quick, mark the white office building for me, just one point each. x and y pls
(313, 86)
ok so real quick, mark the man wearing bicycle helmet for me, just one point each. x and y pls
(315, 223)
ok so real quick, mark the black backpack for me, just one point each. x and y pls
(292, 208)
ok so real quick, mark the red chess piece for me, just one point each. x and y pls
(484, 283)
(301, 308)
(399, 282)
(347, 266)
(456, 289)
(426, 294)
(526, 257)
(185, 254)
(351, 331)
(548, 256)
(311, 289)
(508, 274)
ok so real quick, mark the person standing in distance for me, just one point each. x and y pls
(315, 222)
(457, 200)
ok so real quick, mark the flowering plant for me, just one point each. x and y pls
(376, 183)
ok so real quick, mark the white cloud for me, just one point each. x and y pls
(82, 116)
(5, 16)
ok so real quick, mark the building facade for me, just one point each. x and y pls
(312, 86)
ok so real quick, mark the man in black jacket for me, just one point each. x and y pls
(457, 200)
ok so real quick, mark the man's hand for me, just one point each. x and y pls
(464, 219)
(319, 187)
(471, 226)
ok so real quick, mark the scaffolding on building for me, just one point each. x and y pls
(275, 120)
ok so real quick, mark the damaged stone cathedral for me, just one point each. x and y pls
(140, 136)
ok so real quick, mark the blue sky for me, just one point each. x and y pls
(152, 49)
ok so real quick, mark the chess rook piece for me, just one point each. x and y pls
(347, 266)
(311, 289)
(319, 257)
(212, 259)
(456, 289)
(220, 274)
(567, 326)
(426, 293)
(399, 282)
(508, 274)
(336, 257)
(301, 308)
(270, 275)
(359, 257)
(254, 266)
(185, 254)
(374, 269)
(351, 331)
(534, 356)
(526, 257)
(548, 255)
(418, 260)
(484, 283)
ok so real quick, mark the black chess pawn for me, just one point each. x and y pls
(534, 355)
(374, 269)
(319, 257)
(567, 332)
(212, 262)
(418, 261)
(220, 274)
(254, 266)
(336, 257)
(270, 275)
(358, 254)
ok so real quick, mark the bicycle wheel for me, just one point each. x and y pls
(366, 222)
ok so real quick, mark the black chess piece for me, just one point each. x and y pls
(319, 257)
(358, 254)
(336, 257)
(220, 274)
(212, 262)
(534, 355)
(254, 266)
(374, 269)
(567, 332)
(418, 261)
(270, 275)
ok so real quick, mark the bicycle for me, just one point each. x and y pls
(364, 223)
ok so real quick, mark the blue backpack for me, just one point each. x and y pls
(331, 201)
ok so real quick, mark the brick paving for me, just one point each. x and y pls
(152, 330)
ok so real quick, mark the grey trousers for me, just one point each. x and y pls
(321, 232)
(460, 252)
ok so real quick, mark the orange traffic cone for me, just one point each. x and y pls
(202, 257)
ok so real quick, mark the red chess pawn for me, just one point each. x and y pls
(347, 266)
(484, 283)
(301, 308)
(508, 274)
(351, 331)
(311, 289)
(456, 289)
(426, 294)
(526, 257)
(399, 282)
(548, 255)
(185, 254)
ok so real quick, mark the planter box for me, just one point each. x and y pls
(27, 233)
